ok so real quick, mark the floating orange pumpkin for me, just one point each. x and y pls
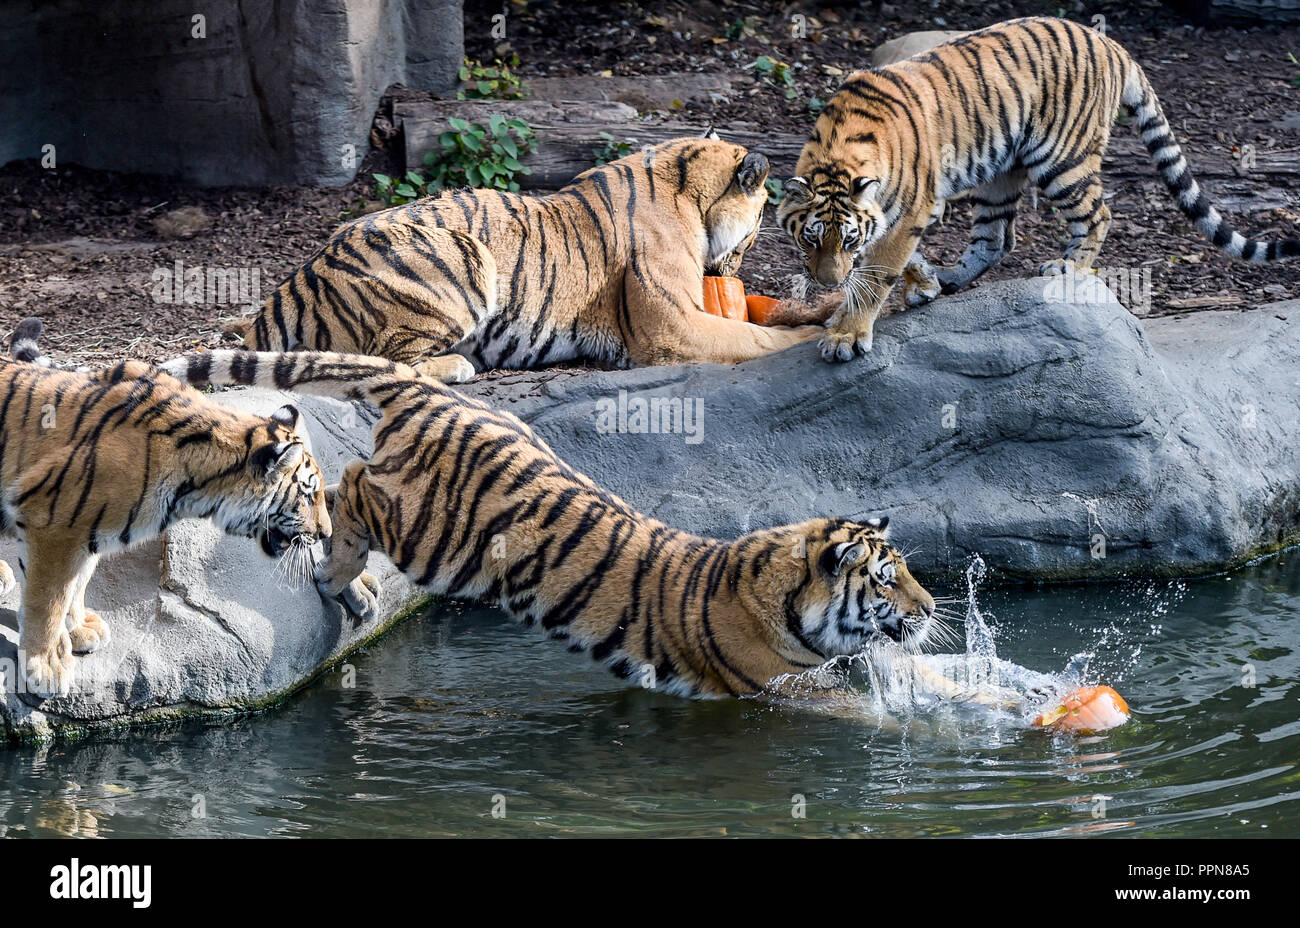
(725, 296)
(761, 309)
(1086, 709)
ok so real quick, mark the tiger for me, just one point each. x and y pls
(1030, 100)
(468, 502)
(95, 462)
(609, 269)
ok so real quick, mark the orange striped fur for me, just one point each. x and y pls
(91, 463)
(1026, 101)
(467, 501)
(608, 269)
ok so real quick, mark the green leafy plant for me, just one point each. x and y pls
(471, 155)
(612, 150)
(742, 27)
(777, 73)
(491, 82)
(775, 190)
(1290, 56)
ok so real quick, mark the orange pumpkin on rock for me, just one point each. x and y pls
(725, 297)
(761, 309)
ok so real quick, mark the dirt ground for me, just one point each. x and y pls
(83, 249)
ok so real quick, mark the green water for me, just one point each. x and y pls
(457, 713)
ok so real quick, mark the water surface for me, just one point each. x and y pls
(458, 714)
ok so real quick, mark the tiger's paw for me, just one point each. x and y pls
(49, 673)
(92, 634)
(360, 597)
(841, 345)
(7, 579)
(920, 292)
(449, 368)
(1059, 268)
(923, 285)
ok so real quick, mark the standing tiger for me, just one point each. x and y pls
(468, 502)
(1031, 100)
(608, 269)
(95, 462)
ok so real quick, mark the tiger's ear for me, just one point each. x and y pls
(797, 191)
(752, 173)
(711, 134)
(864, 189)
(280, 456)
(837, 557)
(287, 415)
(880, 524)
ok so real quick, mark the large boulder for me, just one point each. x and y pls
(204, 623)
(1058, 437)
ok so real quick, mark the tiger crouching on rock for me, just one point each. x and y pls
(95, 462)
(468, 502)
(1026, 101)
(609, 269)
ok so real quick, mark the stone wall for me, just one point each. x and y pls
(249, 94)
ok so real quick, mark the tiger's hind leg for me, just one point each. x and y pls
(993, 232)
(1076, 194)
(407, 292)
(341, 575)
(87, 631)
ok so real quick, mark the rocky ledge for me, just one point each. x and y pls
(203, 623)
(1036, 422)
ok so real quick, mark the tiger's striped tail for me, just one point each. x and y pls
(1140, 97)
(321, 373)
(26, 343)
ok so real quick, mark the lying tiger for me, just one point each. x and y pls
(468, 502)
(93, 463)
(608, 269)
(1031, 100)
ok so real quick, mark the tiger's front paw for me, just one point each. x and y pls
(49, 673)
(7, 579)
(920, 292)
(449, 368)
(923, 285)
(360, 597)
(842, 344)
(91, 635)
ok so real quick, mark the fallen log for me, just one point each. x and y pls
(569, 135)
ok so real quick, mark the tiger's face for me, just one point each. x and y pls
(732, 219)
(859, 591)
(834, 218)
(280, 495)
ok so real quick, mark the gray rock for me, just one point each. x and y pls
(912, 43)
(226, 92)
(202, 622)
(1034, 430)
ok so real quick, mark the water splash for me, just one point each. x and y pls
(889, 683)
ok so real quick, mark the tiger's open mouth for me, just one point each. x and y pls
(276, 542)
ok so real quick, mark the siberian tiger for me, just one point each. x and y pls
(608, 269)
(1031, 100)
(468, 502)
(95, 462)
